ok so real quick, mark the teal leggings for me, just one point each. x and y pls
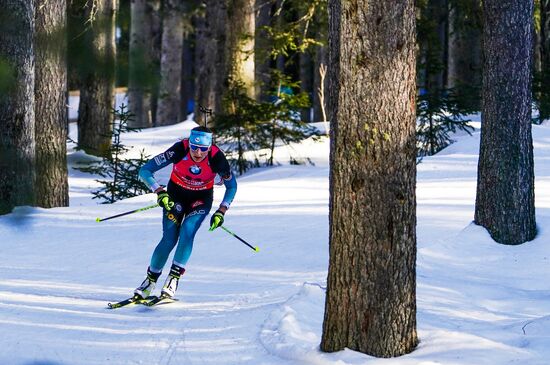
(171, 232)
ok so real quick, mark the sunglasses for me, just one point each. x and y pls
(194, 147)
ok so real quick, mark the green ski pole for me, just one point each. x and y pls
(240, 239)
(130, 212)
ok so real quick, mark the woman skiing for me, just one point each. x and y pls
(186, 202)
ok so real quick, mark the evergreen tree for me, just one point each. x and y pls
(122, 173)
(249, 126)
(142, 62)
(17, 123)
(505, 199)
(52, 188)
(169, 98)
(92, 33)
(371, 284)
(437, 117)
(541, 81)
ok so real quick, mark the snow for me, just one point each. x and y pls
(478, 302)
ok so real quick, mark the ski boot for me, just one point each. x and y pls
(171, 283)
(148, 285)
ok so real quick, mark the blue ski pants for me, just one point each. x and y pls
(182, 234)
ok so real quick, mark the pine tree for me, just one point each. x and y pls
(97, 74)
(17, 124)
(371, 298)
(505, 200)
(438, 116)
(52, 188)
(122, 173)
(171, 63)
(249, 126)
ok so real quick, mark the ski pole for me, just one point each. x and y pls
(130, 212)
(240, 239)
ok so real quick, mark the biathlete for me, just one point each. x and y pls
(186, 202)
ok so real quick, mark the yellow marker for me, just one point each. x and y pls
(98, 219)
(257, 249)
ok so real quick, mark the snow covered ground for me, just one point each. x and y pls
(478, 302)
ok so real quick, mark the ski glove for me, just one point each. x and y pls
(163, 199)
(216, 220)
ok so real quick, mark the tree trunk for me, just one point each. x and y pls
(240, 28)
(169, 99)
(505, 201)
(280, 61)
(187, 80)
(211, 57)
(17, 134)
(371, 299)
(545, 33)
(97, 89)
(155, 49)
(464, 66)
(52, 188)
(261, 52)
(306, 82)
(436, 47)
(142, 78)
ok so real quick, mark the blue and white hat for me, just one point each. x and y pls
(200, 138)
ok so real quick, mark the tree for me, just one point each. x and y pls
(122, 172)
(210, 55)
(320, 64)
(240, 44)
(169, 98)
(97, 76)
(545, 32)
(142, 79)
(505, 200)
(250, 127)
(464, 59)
(225, 51)
(52, 188)
(438, 117)
(371, 299)
(17, 144)
(541, 84)
(261, 47)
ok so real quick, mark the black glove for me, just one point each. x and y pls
(216, 220)
(163, 199)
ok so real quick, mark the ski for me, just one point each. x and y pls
(136, 299)
(158, 300)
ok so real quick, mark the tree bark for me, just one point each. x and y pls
(97, 89)
(241, 30)
(187, 76)
(211, 61)
(169, 98)
(464, 66)
(436, 47)
(545, 33)
(17, 134)
(306, 82)
(371, 299)
(52, 188)
(261, 51)
(143, 62)
(505, 201)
